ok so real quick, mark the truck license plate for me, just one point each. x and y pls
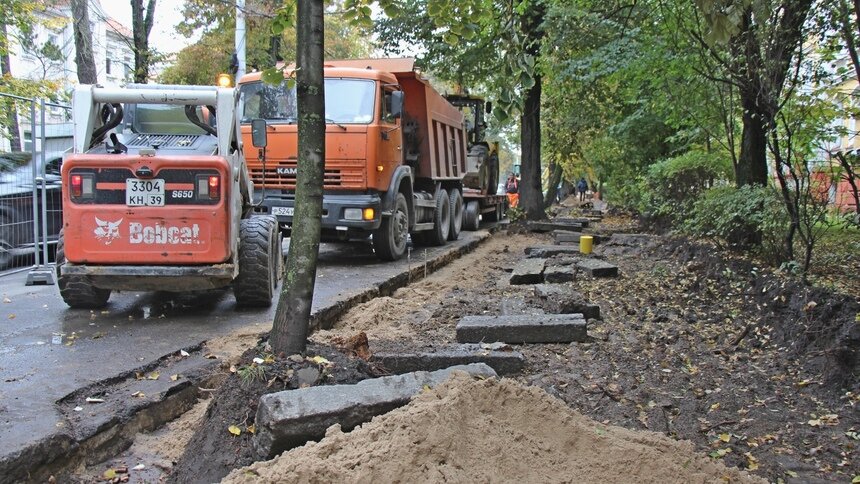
(144, 193)
(285, 211)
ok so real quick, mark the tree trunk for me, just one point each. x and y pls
(752, 163)
(83, 43)
(141, 23)
(851, 177)
(553, 189)
(9, 104)
(531, 195)
(292, 318)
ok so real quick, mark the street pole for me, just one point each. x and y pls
(240, 38)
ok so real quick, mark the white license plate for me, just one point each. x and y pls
(144, 193)
(286, 211)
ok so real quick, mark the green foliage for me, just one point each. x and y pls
(672, 186)
(745, 218)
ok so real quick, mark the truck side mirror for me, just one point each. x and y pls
(489, 107)
(397, 104)
(258, 133)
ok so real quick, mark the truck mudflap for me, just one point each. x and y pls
(339, 211)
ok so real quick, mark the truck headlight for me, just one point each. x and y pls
(352, 213)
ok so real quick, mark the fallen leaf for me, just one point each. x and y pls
(810, 306)
(109, 474)
(174, 377)
(153, 376)
(183, 353)
(251, 429)
(725, 437)
(11, 316)
(856, 479)
(752, 462)
(234, 430)
(7, 300)
(100, 334)
(210, 356)
(816, 422)
(720, 453)
(138, 394)
(78, 409)
(791, 473)
(138, 467)
(319, 360)
(714, 407)
(258, 361)
(95, 400)
(269, 359)
(139, 376)
(233, 369)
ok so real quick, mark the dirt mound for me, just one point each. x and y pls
(489, 430)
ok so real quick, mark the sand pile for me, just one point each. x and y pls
(489, 431)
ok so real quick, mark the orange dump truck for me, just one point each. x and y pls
(396, 154)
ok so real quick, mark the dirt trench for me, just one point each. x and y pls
(692, 344)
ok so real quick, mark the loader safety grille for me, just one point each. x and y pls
(174, 141)
(339, 174)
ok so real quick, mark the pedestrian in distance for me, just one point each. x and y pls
(512, 188)
(582, 187)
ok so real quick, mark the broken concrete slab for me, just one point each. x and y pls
(528, 271)
(564, 237)
(547, 251)
(291, 418)
(584, 222)
(598, 268)
(550, 226)
(503, 361)
(562, 299)
(559, 274)
(514, 329)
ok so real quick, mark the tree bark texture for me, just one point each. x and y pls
(9, 104)
(531, 195)
(83, 43)
(292, 317)
(141, 22)
(552, 190)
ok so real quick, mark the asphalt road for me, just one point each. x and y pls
(48, 350)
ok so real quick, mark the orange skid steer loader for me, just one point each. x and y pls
(156, 196)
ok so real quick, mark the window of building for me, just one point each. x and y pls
(107, 66)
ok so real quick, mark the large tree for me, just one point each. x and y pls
(141, 25)
(83, 43)
(292, 317)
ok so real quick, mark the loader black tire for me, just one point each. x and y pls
(389, 240)
(471, 216)
(455, 203)
(78, 291)
(441, 220)
(259, 261)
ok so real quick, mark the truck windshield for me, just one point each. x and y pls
(347, 101)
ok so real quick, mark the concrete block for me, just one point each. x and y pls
(565, 237)
(503, 362)
(598, 268)
(547, 328)
(550, 226)
(291, 418)
(528, 271)
(546, 251)
(583, 222)
(559, 274)
(562, 299)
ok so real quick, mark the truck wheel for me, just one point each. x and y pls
(259, 261)
(441, 220)
(456, 203)
(495, 215)
(77, 291)
(471, 221)
(389, 240)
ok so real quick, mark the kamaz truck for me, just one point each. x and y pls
(397, 154)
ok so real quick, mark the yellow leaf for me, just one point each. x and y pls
(319, 360)
(427, 388)
(269, 359)
(815, 422)
(791, 473)
(714, 407)
(251, 429)
(174, 377)
(234, 430)
(855, 480)
(725, 437)
(152, 376)
(109, 474)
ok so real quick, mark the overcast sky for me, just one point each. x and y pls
(167, 14)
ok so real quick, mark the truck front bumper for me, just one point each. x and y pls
(334, 210)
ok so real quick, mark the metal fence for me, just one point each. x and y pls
(30, 184)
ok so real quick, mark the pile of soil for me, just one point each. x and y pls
(466, 430)
(214, 450)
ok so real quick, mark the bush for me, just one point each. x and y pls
(744, 218)
(672, 186)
